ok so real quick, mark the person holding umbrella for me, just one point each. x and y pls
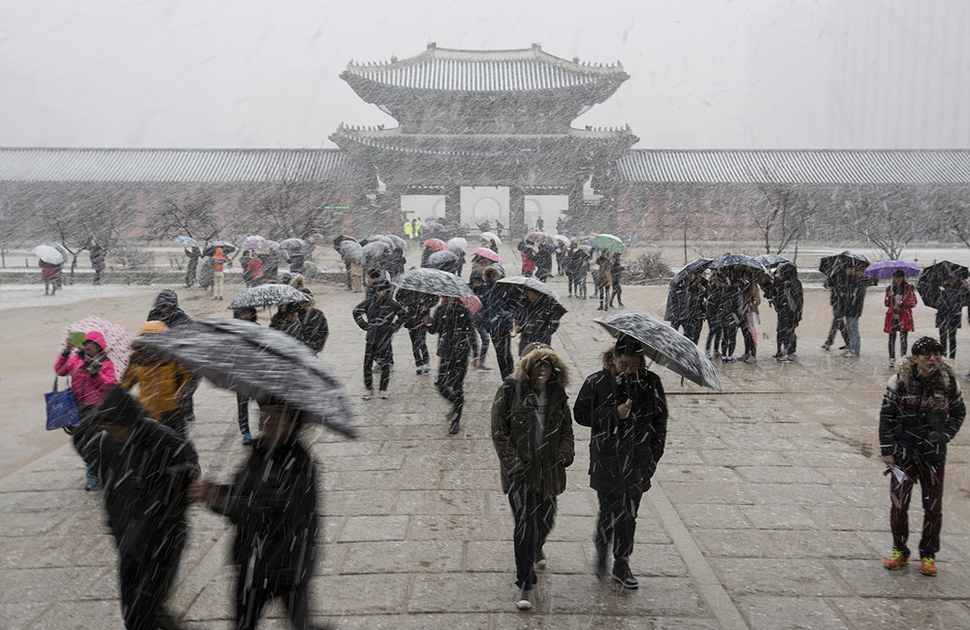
(161, 383)
(457, 339)
(272, 502)
(900, 300)
(536, 320)
(855, 300)
(786, 296)
(416, 306)
(97, 256)
(603, 280)
(626, 409)
(381, 316)
(193, 254)
(533, 437)
(951, 299)
(686, 304)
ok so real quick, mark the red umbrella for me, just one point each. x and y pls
(472, 303)
(485, 252)
(436, 243)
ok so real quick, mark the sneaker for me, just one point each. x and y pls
(382, 395)
(247, 439)
(896, 560)
(427, 368)
(892, 363)
(540, 559)
(845, 347)
(419, 369)
(482, 366)
(826, 347)
(751, 359)
(927, 566)
(368, 394)
(623, 575)
(727, 359)
(454, 428)
(523, 601)
(785, 358)
(851, 354)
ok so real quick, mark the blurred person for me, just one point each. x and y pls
(457, 339)
(616, 275)
(161, 383)
(97, 255)
(381, 316)
(247, 314)
(219, 260)
(193, 254)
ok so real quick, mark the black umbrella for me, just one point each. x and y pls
(340, 239)
(931, 278)
(444, 260)
(514, 288)
(830, 265)
(210, 249)
(665, 346)
(267, 294)
(373, 251)
(770, 261)
(351, 251)
(433, 282)
(696, 267)
(738, 260)
(256, 362)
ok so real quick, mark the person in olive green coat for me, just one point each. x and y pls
(533, 437)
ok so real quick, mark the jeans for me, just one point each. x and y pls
(838, 325)
(534, 519)
(483, 333)
(852, 331)
(931, 484)
(903, 341)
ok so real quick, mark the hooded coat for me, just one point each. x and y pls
(530, 461)
(168, 299)
(380, 316)
(920, 416)
(904, 312)
(623, 454)
(785, 294)
(88, 389)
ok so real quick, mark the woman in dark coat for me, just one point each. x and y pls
(731, 312)
(499, 318)
(457, 339)
(536, 319)
(272, 502)
(381, 316)
(626, 409)
(786, 297)
(416, 306)
(533, 436)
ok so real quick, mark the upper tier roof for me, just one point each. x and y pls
(176, 165)
(451, 70)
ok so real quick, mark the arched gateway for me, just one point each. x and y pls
(483, 118)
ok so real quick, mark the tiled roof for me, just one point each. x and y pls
(487, 71)
(175, 165)
(809, 166)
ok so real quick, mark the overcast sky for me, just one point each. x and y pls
(704, 73)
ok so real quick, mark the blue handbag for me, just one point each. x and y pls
(61, 408)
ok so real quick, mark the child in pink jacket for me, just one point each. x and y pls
(92, 375)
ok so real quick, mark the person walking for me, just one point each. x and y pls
(603, 280)
(836, 284)
(247, 314)
(272, 503)
(626, 409)
(616, 275)
(49, 273)
(97, 256)
(922, 410)
(536, 320)
(92, 376)
(457, 339)
(147, 469)
(499, 320)
(476, 280)
(193, 254)
(381, 316)
(686, 304)
(533, 437)
(855, 300)
(416, 306)
(218, 275)
(313, 323)
(787, 298)
(953, 297)
(900, 300)
(161, 383)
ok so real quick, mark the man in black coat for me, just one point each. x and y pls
(457, 339)
(146, 469)
(787, 298)
(536, 319)
(272, 502)
(381, 316)
(167, 311)
(626, 409)
(314, 323)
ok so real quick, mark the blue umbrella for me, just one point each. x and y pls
(886, 268)
(186, 241)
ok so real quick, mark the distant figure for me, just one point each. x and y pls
(218, 276)
(49, 274)
(539, 224)
(193, 255)
(953, 297)
(855, 292)
(97, 256)
(381, 316)
(900, 300)
(616, 275)
(786, 296)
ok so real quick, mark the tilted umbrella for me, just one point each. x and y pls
(486, 253)
(384, 238)
(886, 268)
(563, 240)
(698, 266)
(833, 264)
(542, 238)
(433, 282)
(227, 248)
(514, 289)
(444, 260)
(770, 261)
(116, 337)
(610, 243)
(255, 242)
(266, 295)
(472, 303)
(436, 243)
(186, 241)
(398, 243)
(487, 237)
(258, 362)
(457, 243)
(48, 254)
(65, 257)
(294, 244)
(738, 263)
(931, 279)
(664, 346)
(373, 251)
(340, 239)
(351, 251)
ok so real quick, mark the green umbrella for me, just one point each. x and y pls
(610, 243)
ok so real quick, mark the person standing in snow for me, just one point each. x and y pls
(900, 300)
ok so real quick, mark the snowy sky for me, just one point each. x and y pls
(704, 73)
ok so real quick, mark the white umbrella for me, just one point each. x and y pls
(48, 254)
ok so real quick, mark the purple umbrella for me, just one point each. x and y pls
(886, 269)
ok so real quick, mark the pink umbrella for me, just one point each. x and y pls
(115, 335)
(436, 243)
(472, 303)
(485, 252)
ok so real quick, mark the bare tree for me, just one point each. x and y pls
(291, 206)
(890, 217)
(782, 215)
(193, 214)
(953, 209)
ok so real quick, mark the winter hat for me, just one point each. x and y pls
(296, 281)
(476, 274)
(118, 407)
(492, 273)
(167, 298)
(97, 337)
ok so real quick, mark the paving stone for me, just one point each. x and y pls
(373, 528)
(402, 557)
(440, 502)
(780, 474)
(48, 551)
(656, 596)
(712, 516)
(462, 592)
(412, 621)
(20, 616)
(360, 594)
(765, 576)
(12, 525)
(419, 479)
(359, 503)
(78, 616)
(793, 494)
(728, 493)
(780, 544)
(695, 474)
(46, 585)
(851, 518)
(460, 527)
(778, 516)
(733, 457)
(869, 579)
(803, 613)
(889, 614)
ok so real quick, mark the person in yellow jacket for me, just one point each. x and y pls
(161, 383)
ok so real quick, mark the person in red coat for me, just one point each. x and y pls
(900, 300)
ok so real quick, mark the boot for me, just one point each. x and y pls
(623, 575)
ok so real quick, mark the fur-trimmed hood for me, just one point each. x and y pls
(560, 372)
(905, 369)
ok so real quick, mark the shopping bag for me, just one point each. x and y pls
(61, 408)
